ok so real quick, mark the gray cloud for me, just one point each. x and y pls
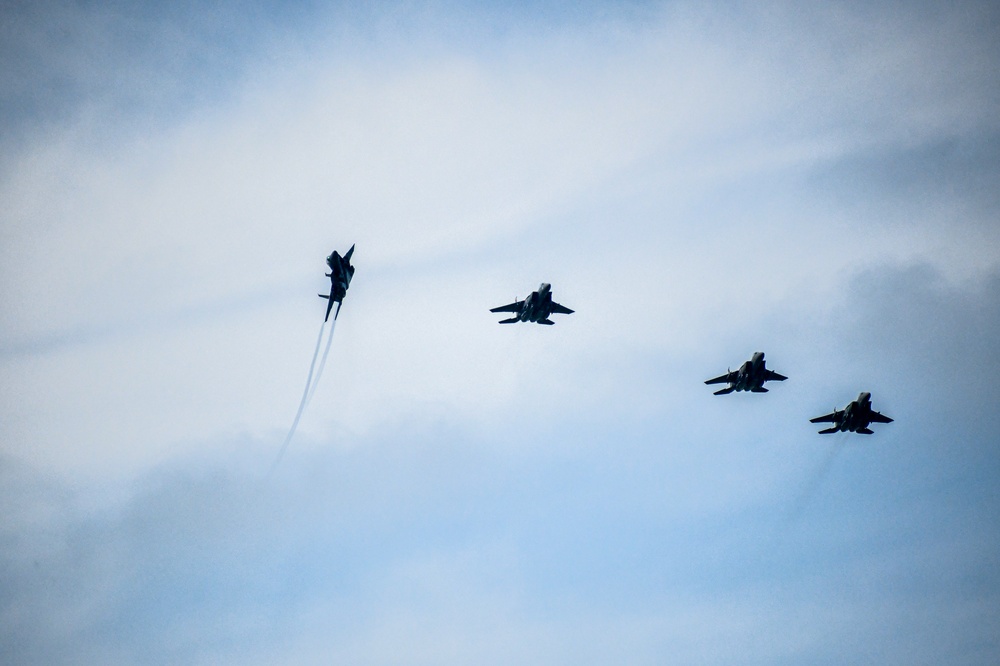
(127, 65)
(819, 184)
(428, 547)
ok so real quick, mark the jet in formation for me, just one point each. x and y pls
(537, 307)
(856, 417)
(340, 276)
(750, 377)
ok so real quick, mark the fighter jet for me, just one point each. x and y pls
(750, 377)
(340, 276)
(536, 307)
(856, 417)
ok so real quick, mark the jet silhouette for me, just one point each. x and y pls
(856, 417)
(750, 377)
(537, 307)
(340, 276)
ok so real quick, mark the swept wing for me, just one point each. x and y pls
(513, 307)
(832, 417)
(727, 378)
(329, 306)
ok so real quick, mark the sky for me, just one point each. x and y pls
(698, 181)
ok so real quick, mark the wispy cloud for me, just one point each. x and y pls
(697, 183)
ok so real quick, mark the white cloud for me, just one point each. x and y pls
(638, 174)
(696, 184)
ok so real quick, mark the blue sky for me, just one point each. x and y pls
(698, 181)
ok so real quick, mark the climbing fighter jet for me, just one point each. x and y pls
(536, 307)
(856, 417)
(340, 276)
(750, 377)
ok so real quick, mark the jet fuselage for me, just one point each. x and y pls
(857, 415)
(538, 305)
(340, 275)
(751, 374)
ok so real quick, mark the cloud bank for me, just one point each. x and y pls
(698, 183)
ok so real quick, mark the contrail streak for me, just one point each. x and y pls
(813, 484)
(302, 403)
(322, 363)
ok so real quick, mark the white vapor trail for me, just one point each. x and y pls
(305, 397)
(322, 363)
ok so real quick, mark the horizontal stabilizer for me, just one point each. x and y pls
(724, 391)
(827, 431)
(512, 320)
(329, 306)
(547, 322)
(865, 431)
(759, 390)
(326, 296)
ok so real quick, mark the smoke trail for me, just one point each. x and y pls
(302, 403)
(322, 363)
(817, 478)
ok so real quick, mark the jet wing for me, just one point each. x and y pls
(513, 307)
(879, 418)
(727, 378)
(773, 376)
(560, 309)
(833, 417)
